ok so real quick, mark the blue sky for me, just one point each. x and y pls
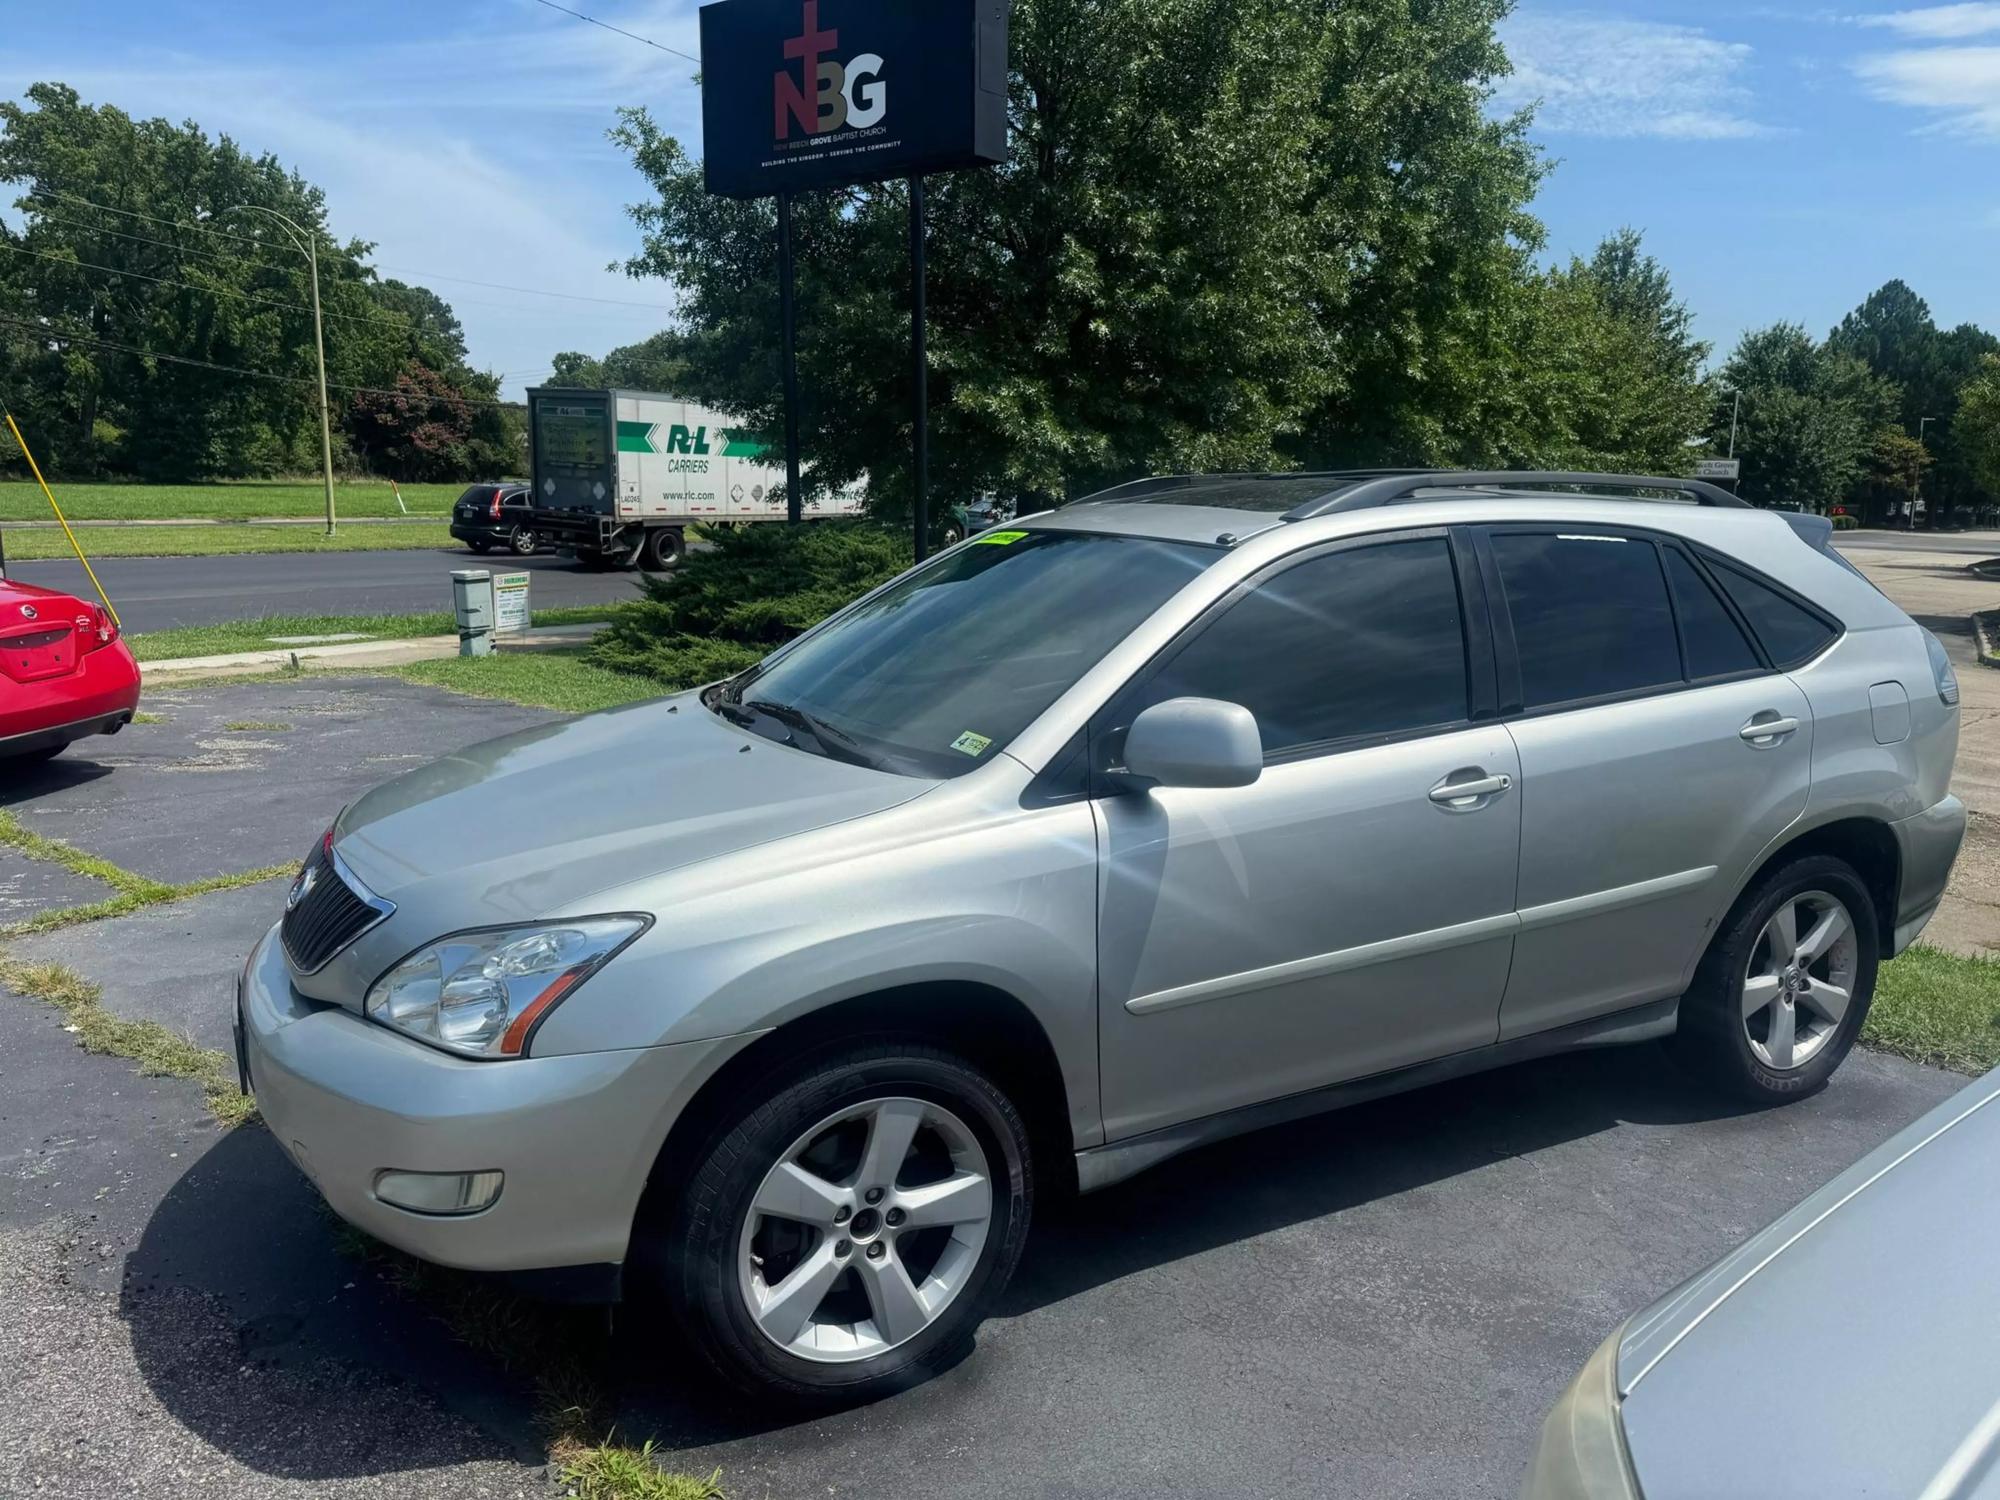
(1783, 161)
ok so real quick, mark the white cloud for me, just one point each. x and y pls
(1609, 76)
(1958, 85)
(1940, 22)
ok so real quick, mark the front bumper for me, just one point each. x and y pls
(575, 1136)
(1928, 845)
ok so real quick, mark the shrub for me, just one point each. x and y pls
(1846, 523)
(753, 589)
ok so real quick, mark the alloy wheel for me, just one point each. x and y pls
(1800, 980)
(865, 1230)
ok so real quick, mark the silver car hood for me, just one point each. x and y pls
(1851, 1348)
(533, 823)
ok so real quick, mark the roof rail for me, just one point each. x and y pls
(1372, 493)
(1154, 485)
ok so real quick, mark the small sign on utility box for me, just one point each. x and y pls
(510, 603)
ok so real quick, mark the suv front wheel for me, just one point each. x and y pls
(1784, 988)
(843, 1238)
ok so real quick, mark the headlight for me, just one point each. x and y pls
(1582, 1453)
(482, 993)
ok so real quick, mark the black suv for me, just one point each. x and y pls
(495, 515)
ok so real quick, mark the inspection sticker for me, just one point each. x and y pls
(998, 539)
(971, 744)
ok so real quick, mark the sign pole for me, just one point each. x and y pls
(921, 423)
(788, 316)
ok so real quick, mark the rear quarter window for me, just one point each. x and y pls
(1792, 634)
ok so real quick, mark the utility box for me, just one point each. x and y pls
(472, 602)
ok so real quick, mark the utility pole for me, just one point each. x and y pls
(1734, 416)
(307, 244)
(1917, 469)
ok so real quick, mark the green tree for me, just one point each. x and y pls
(1810, 415)
(658, 364)
(1226, 235)
(1893, 333)
(134, 295)
(1979, 424)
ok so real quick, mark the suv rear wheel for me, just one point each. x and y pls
(844, 1238)
(1784, 988)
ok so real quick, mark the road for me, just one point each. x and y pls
(1969, 543)
(157, 593)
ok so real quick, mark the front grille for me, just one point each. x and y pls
(328, 913)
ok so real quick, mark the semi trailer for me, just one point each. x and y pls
(619, 476)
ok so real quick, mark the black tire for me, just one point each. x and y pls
(608, 562)
(663, 549)
(482, 547)
(1713, 1042)
(28, 758)
(953, 535)
(695, 1242)
(524, 542)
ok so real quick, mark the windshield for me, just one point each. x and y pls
(940, 672)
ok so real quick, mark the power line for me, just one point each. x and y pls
(551, 4)
(226, 258)
(394, 319)
(54, 337)
(149, 218)
(529, 290)
(495, 286)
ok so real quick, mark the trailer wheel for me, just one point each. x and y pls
(662, 549)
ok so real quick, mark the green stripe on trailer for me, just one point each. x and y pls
(636, 437)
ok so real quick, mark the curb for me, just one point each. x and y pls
(355, 653)
(1985, 631)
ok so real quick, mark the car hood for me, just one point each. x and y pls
(1852, 1348)
(529, 823)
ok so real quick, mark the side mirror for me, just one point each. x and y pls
(1194, 742)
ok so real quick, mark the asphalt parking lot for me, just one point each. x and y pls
(1381, 1302)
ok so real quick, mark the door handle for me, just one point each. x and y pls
(1463, 796)
(1763, 732)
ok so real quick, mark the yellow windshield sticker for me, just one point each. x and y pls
(999, 538)
(971, 744)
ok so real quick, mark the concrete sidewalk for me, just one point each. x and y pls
(356, 653)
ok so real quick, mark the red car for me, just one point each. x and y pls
(64, 674)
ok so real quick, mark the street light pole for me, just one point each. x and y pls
(1917, 469)
(308, 245)
(1735, 414)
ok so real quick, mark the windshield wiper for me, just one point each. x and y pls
(836, 742)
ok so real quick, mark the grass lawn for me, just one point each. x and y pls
(21, 500)
(1938, 1008)
(561, 680)
(208, 541)
(255, 635)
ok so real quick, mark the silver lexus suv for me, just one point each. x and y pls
(1200, 805)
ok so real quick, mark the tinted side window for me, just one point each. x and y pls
(1716, 645)
(1363, 642)
(1590, 615)
(1791, 634)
